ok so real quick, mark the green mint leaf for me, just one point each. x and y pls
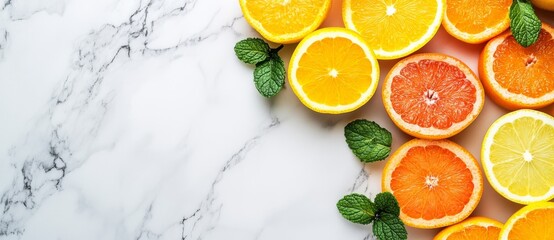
(252, 50)
(368, 140)
(356, 208)
(385, 202)
(524, 23)
(269, 75)
(389, 227)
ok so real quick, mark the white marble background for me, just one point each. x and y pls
(133, 119)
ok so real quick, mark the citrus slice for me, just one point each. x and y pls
(285, 21)
(333, 70)
(518, 156)
(476, 21)
(437, 182)
(516, 77)
(544, 4)
(480, 228)
(432, 95)
(532, 222)
(394, 29)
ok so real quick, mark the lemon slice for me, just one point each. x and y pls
(518, 156)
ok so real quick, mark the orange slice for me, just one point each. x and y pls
(516, 77)
(532, 222)
(476, 21)
(437, 182)
(478, 228)
(285, 21)
(544, 4)
(432, 96)
(333, 71)
(394, 28)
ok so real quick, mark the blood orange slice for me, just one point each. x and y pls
(437, 182)
(432, 95)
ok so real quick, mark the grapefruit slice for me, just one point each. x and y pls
(432, 96)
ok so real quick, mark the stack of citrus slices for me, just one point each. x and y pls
(431, 97)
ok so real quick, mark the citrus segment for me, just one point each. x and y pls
(472, 228)
(436, 183)
(285, 21)
(394, 29)
(516, 77)
(476, 21)
(333, 71)
(532, 222)
(518, 156)
(432, 95)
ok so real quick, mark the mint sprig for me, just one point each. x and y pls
(384, 214)
(269, 74)
(524, 23)
(357, 208)
(367, 140)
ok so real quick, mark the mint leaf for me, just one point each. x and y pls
(252, 50)
(269, 75)
(356, 208)
(368, 140)
(385, 202)
(524, 23)
(389, 227)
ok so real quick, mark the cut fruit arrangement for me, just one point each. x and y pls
(429, 181)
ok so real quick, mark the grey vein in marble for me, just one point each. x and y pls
(202, 219)
(79, 102)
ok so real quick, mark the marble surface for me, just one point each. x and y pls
(134, 120)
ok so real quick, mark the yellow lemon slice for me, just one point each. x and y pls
(518, 156)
